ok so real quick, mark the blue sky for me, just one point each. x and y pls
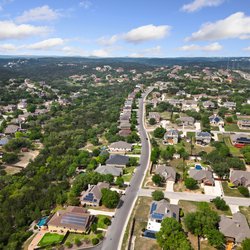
(135, 28)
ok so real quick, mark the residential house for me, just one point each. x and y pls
(235, 229)
(160, 210)
(171, 137)
(240, 140)
(240, 178)
(154, 115)
(186, 121)
(103, 169)
(120, 146)
(4, 141)
(203, 138)
(168, 173)
(229, 105)
(73, 219)
(93, 195)
(11, 129)
(181, 93)
(244, 124)
(22, 104)
(216, 120)
(175, 102)
(124, 132)
(190, 105)
(208, 105)
(119, 161)
(125, 125)
(202, 176)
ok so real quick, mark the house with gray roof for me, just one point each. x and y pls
(208, 105)
(154, 115)
(235, 229)
(120, 146)
(103, 169)
(160, 210)
(168, 173)
(203, 138)
(185, 121)
(119, 161)
(93, 195)
(202, 176)
(240, 178)
(229, 105)
(244, 124)
(171, 137)
(11, 129)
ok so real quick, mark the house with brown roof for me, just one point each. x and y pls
(73, 219)
(235, 229)
(11, 129)
(185, 121)
(93, 195)
(240, 178)
(202, 176)
(168, 173)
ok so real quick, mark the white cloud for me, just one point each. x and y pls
(150, 52)
(46, 44)
(235, 26)
(247, 49)
(100, 53)
(10, 30)
(199, 4)
(73, 51)
(208, 48)
(85, 4)
(7, 47)
(108, 41)
(147, 33)
(3, 3)
(43, 13)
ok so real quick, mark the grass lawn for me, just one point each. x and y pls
(230, 191)
(234, 127)
(233, 150)
(50, 238)
(100, 221)
(246, 212)
(166, 115)
(129, 173)
(215, 128)
(73, 236)
(136, 149)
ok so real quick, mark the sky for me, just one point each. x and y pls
(125, 28)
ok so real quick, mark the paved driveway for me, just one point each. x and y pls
(170, 186)
(213, 190)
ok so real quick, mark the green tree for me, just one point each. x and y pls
(132, 161)
(157, 179)
(159, 132)
(190, 183)
(119, 181)
(155, 153)
(245, 244)
(110, 199)
(171, 236)
(220, 204)
(10, 157)
(152, 121)
(158, 195)
(244, 191)
(216, 238)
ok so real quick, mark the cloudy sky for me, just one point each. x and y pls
(134, 28)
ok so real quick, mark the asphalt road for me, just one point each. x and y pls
(197, 197)
(116, 231)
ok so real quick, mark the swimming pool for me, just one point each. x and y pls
(42, 221)
(198, 167)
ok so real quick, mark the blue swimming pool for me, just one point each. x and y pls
(42, 221)
(198, 167)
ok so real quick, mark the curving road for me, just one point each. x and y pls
(114, 236)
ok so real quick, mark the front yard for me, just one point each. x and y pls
(230, 191)
(246, 212)
(234, 128)
(129, 171)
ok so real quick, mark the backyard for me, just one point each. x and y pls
(51, 239)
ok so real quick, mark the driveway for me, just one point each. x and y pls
(234, 208)
(213, 190)
(197, 126)
(170, 186)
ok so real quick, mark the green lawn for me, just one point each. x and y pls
(234, 127)
(230, 191)
(100, 221)
(166, 115)
(129, 173)
(50, 238)
(73, 236)
(246, 212)
(233, 150)
(136, 149)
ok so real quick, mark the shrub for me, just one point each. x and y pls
(191, 183)
(158, 195)
(157, 179)
(95, 241)
(244, 191)
(78, 242)
(68, 244)
(220, 204)
(107, 221)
